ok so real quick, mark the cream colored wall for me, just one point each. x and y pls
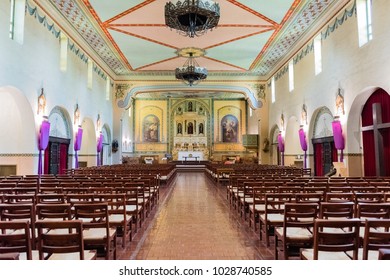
(345, 65)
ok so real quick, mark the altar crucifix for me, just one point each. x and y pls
(378, 128)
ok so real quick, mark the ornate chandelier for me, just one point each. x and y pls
(192, 17)
(191, 73)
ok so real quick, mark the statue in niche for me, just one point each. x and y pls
(190, 129)
(179, 111)
(179, 128)
(190, 106)
(201, 128)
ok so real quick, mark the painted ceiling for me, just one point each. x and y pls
(252, 36)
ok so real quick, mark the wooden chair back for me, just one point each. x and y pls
(15, 238)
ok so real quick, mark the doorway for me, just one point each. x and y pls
(56, 156)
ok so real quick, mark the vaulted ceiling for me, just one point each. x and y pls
(252, 37)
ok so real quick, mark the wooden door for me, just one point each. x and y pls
(56, 156)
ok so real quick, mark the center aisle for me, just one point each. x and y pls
(195, 223)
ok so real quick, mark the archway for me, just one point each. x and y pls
(106, 151)
(18, 134)
(324, 150)
(57, 151)
(375, 118)
(274, 151)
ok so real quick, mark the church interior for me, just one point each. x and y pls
(235, 129)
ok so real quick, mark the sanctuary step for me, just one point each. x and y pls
(190, 166)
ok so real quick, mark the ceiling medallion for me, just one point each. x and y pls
(191, 73)
(192, 17)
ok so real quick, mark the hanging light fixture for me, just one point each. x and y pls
(192, 17)
(191, 73)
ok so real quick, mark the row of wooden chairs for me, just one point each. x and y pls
(250, 207)
(316, 238)
(95, 229)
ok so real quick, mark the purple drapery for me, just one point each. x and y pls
(281, 147)
(77, 145)
(338, 138)
(302, 140)
(43, 142)
(99, 147)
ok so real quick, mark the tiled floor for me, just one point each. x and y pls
(194, 222)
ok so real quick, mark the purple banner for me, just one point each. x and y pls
(100, 143)
(302, 139)
(44, 133)
(280, 143)
(338, 135)
(78, 139)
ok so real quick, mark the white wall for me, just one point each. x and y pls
(345, 65)
(35, 64)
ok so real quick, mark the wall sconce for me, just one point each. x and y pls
(303, 142)
(41, 104)
(338, 137)
(77, 115)
(43, 141)
(281, 147)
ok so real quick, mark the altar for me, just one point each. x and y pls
(190, 156)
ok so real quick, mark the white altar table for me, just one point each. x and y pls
(190, 156)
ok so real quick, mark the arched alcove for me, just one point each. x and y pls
(18, 133)
(293, 152)
(88, 151)
(106, 152)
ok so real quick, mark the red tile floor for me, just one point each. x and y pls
(193, 222)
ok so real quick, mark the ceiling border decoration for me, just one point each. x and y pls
(340, 21)
(288, 38)
(76, 17)
(33, 11)
(324, 35)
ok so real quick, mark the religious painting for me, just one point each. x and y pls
(229, 126)
(151, 126)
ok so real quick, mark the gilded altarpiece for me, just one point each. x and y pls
(190, 130)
